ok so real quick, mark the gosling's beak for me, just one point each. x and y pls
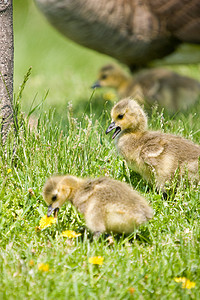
(51, 209)
(111, 127)
(96, 85)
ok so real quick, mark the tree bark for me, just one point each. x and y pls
(6, 66)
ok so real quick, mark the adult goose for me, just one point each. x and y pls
(135, 32)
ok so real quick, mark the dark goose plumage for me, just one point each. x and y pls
(133, 31)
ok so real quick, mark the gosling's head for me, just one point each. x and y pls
(127, 114)
(57, 190)
(110, 76)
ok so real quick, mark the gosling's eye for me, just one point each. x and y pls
(54, 197)
(104, 76)
(120, 116)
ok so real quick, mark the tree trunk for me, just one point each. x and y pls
(6, 66)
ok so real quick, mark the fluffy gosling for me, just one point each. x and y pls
(152, 154)
(168, 89)
(107, 205)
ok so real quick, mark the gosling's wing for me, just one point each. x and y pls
(152, 151)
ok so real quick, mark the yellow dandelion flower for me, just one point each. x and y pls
(109, 96)
(131, 290)
(178, 279)
(31, 192)
(9, 170)
(31, 262)
(186, 283)
(43, 267)
(47, 221)
(96, 260)
(70, 234)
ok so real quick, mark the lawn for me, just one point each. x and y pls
(70, 138)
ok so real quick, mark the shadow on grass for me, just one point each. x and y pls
(96, 107)
(142, 237)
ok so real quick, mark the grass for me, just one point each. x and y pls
(59, 66)
(148, 260)
(70, 138)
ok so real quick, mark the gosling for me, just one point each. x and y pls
(154, 155)
(107, 205)
(168, 89)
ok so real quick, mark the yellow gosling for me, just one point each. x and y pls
(107, 205)
(152, 154)
(168, 89)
